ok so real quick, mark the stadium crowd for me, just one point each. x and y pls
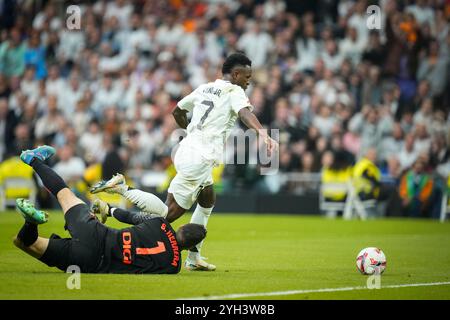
(103, 93)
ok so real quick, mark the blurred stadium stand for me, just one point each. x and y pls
(320, 75)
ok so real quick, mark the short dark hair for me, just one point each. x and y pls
(235, 59)
(190, 235)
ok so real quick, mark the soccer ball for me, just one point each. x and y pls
(371, 261)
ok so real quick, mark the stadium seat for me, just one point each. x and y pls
(16, 187)
(331, 207)
(358, 206)
(351, 207)
(445, 207)
(16, 181)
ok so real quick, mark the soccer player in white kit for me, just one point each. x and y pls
(215, 107)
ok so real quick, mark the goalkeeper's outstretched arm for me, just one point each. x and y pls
(130, 217)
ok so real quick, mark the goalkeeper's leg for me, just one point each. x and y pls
(146, 201)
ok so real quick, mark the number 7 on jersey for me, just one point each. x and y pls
(210, 106)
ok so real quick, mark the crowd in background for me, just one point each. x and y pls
(104, 93)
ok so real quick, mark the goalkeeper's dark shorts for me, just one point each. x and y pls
(86, 247)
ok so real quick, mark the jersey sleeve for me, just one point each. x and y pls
(188, 102)
(239, 100)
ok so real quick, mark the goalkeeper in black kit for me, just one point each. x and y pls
(151, 245)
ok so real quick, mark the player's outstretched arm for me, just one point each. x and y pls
(129, 217)
(181, 117)
(252, 122)
(103, 209)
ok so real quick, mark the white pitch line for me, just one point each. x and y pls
(290, 292)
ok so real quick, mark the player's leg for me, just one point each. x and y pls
(86, 249)
(51, 180)
(147, 202)
(174, 209)
(184, 187)
(28, 239)
(54, 252)
(194, 177)
(202, 212)
(36, 249)
(103, 209)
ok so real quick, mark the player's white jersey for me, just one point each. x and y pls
(215, 107)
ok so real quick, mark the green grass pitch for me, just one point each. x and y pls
(256, 254)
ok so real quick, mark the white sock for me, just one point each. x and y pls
(200, 216)
(147, 202)
(112, 212)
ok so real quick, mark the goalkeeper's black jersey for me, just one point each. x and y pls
(149, 247)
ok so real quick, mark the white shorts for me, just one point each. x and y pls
(193, 174)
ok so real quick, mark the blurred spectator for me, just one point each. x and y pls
(68, 98)
(92, 142)
(54, 82)
(22, 139)
(371, 126)
(121, 9)
(340, 171)
(324, 121)
(331, 55)
(425, 113)
(423, 141)
(366, 176)
(47, 126)
(69, 166)
(81, 116)
(5, 91)
(372, 91)
(48, 15)
(433, 68)
(12, 53)
(8, 122)
(408, 153)
(351, 46)
(439, 152)
(358, 20)
(29, 85)
(114, 162)
(390, 145)
(394, 168)
(35, 55)
(421, 11)
(307, 48)
(416, 191)
(256, 44)
(170, 32)
(375, 51)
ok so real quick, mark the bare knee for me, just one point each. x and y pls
(207, 197)
(174, 210)
(17, 242)
(67, 199)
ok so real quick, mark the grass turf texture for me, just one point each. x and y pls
(255, 253)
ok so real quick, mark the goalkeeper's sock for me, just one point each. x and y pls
(200, 216)
(51, 180)
(147, 202)
(28, 234)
